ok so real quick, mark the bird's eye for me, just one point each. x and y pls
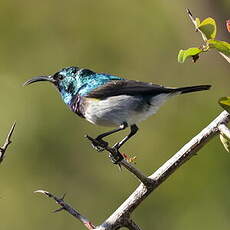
(57, 76)
(60, 77)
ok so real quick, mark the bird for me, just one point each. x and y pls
(109, 100)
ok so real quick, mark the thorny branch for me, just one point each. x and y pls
(121, 217)
(68, 208)
(144, 179)
(7, 143)
(131, 225)
(224, 130)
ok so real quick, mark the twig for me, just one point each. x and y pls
(195, 24)
(131, 225)
(144, 179)
(191, 148)
(7, 143)
(192, 19)
(203, 36)
(224, 130)
(69, 209)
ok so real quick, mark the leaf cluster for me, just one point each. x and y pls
(208, 31)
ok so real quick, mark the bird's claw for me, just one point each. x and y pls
(97, 143)
(101, 145)
(116, 157)
(97, 147)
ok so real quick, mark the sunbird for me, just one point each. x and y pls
(109, 100)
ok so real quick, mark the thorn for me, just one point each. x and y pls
(63, 197)
(58, 210)
(11, 131)
(43, 192)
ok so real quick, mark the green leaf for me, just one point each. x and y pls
(225, 103)
(221, 46)
(191, 52)
(208, 28)
(225, 141)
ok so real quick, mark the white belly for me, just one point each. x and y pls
(113, 111)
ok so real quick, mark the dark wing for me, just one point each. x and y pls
(127, 87)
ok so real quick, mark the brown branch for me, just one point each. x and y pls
(167, 169)
(144, 179)
(7, 143)
(69, 209)
(224, 130)
(131, 225)
(121, 217)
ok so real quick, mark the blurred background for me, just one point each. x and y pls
(134, 39)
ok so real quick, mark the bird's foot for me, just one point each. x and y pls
(101, 145)
(115, 156)
(97, 143)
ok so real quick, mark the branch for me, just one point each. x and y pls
(69, 209)
(195, 24)
(224, 130)
(183, 155)
(192, 19)
(121, 217)
(144, 179)
(7, 143)
(191, 148)
(131, 225)
(227, 58)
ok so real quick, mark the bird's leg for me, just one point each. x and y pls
(133, 131)
(99, 144)
(116, 157)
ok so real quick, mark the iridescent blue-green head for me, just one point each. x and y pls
(66, 80)
(72, 81)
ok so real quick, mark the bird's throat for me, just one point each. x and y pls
(67, 97)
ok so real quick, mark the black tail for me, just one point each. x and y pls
(190, 89)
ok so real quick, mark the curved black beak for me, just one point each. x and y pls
(40, 78)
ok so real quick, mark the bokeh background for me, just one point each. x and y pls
(137, 40)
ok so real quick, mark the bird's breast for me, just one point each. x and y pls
(113, 111)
